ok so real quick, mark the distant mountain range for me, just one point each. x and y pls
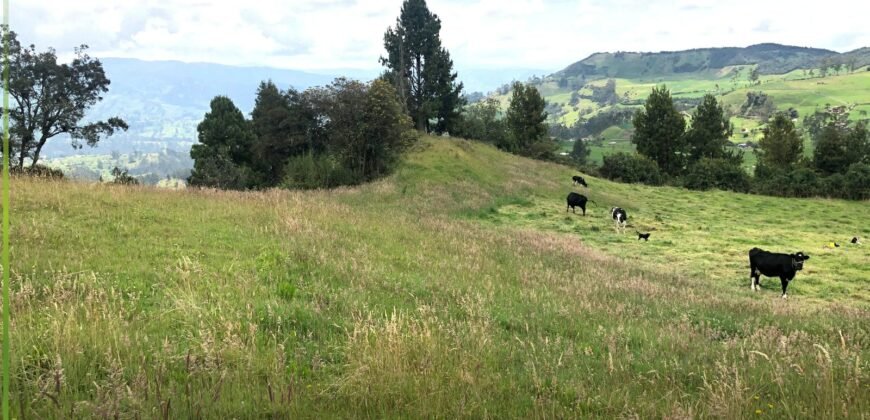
(769, 58)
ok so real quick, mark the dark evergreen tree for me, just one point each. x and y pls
(580, 152)
(223, 156)
(781, 147)
(660, 132)
(708, 136)
(280, 124)
(838, 148)
(526, 124)
(420, 69)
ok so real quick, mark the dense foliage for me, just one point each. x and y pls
(631, 168)
(345, 133)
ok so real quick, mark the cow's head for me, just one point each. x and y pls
(797, 260)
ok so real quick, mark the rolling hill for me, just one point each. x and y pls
(456, 287)
(607, 84)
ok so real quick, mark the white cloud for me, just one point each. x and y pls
(318, 34)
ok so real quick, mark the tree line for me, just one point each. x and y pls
(699, 156)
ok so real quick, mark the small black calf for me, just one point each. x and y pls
(579, 180)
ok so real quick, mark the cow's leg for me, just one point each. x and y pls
(584, 210)
(752, 281)
(784, 286)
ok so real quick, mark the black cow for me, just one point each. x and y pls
(579, 180)
(855, 240)
(771, 264)
(620, 217)
(576, 200)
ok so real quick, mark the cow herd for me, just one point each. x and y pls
(770, 264)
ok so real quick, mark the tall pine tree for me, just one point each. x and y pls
(659, 132)
(222, 157)
(710, 130)
(421, 70)
(781, 147)
(526, 121)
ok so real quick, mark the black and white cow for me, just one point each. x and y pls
(771, 264)
(579, 180)
(576, 200)
(620, 217)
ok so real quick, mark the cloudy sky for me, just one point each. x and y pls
(484, 34)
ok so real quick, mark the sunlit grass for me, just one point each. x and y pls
(457, 287)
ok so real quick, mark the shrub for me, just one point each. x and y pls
(310, 171)
(857, 185)
(631, 168)
(717, 173)
(38, 171)
(123, 178)
(800, 182)
(833, 186)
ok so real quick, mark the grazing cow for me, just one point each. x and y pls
(577, 200)
(644, 236)
(579, 180)
(771, 264)
(855, 240)
(620, 217)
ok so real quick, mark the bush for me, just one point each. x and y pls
(38, 171)
(857, 185)
(833, 186)
(631, 168)
(123, 178)
(717, 173)
(800, 182)
(310, 171)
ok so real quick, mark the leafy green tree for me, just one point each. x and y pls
(753, 75)
(708, 136)
(837, 149)
(580, 152)
(51, 99)
(480, 121)
(781, 147)
(659, 132)
(122, 177)
(386, 132)
(421, 70)
(526, 124)
(222, 157)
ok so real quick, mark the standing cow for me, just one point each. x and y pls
(576, 200)
(620, 217)
(771, 264)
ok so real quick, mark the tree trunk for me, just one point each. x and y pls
(37, 151)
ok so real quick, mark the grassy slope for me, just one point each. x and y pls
(731, 84)
(428, 294)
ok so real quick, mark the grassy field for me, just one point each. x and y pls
(456, 288)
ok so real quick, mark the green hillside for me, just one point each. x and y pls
(458, 287)
(770, 58)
